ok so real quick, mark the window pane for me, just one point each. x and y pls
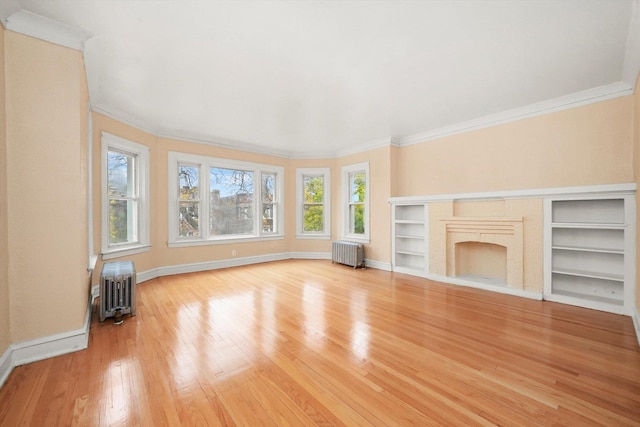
(313, 189)
(189, 178)
(120, 174)
(313, 219)
(188, 220)
(268, 187)
(268, 216)
(121, 221)
(358, 182)
(231, 201)
(356, 219)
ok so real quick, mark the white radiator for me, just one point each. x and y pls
(117, 289)
(348, 253)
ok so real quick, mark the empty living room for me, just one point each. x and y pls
(359, 212)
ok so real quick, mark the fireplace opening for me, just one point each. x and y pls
(481, 262)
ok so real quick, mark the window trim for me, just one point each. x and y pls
(347, 171)
(141, 154)
(176, 158)
(326, 174)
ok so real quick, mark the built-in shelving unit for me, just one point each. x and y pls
(410, 239)
(589, 257)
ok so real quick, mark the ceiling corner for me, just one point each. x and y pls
(631, 66)
(31, 24)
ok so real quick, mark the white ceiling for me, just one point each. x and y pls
(313, 78)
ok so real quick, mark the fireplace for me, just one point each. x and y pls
(485, 250)
(481, 262)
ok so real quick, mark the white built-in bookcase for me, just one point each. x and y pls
(590, 252)
(410, 239)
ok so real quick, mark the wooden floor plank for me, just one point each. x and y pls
(305, 342)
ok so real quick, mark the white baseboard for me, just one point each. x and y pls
(310, 255)
(226, 263)
(46, 347)
(379, 265)
(493, 288)
(635, 316)
(5, 366)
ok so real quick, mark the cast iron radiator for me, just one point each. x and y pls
(117, 289)
(348, 253)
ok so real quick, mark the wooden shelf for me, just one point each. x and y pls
(590, 274)
(585, 249)
(588, 252)
(409, 238)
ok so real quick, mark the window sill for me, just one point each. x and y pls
(357, 239)
(188, 243)
(129, 250)
(313, 236)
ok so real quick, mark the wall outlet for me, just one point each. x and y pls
(233, 252)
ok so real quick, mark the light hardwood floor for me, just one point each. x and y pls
(312, 343)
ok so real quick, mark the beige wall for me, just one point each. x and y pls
(307, 245)
(636, 162)
(162, 256)
(380, 211)
(5, 324)
(46, 103)
(588, 145)
(100, 123)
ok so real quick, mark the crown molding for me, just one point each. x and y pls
(589, 96)
(367, 146)
(577, 99)
(631, 66)
(145, 126)
(8, 8)
(30, 24)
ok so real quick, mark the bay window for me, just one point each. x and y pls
(214, 200)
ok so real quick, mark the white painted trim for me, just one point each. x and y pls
(589, 96)
(8, 8)
(127, 251)
(5, 366)
(30, 24)
(578, 99)
(471, 284)
(49, 346)
(346, 171)
(232, 262)
(584, 303)
(367, 146)
(631, 65)
(142, 177)
(635, 316)
(592, 190)
(203, 163)
(378, 265)
(310, 255)
(325, 173)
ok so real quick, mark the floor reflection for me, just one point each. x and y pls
(360, 330)
(314, 316)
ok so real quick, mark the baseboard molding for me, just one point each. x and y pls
(226, 263)
(310, 255)
(5, 366)
(46, 347)
(378, 265)
(485, 287)
(635, 316)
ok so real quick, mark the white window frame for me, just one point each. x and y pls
(205, 163)
(325, 173)
(141, 181)
(347, 171)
